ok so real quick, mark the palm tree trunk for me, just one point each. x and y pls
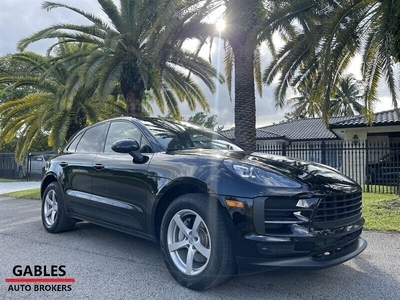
(245, 106)
(133, 104)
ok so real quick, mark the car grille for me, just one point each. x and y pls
(277, 214)
(337, 209)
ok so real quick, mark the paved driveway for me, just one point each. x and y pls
(9, 187)
(110, 265)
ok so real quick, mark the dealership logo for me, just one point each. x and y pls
(39, 279)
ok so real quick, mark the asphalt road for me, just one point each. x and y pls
(112, 265)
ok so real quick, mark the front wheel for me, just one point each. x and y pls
(195, 242)
(54, 217)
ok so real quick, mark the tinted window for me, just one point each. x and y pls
(72, 146)
(122, 131)
(92, 139)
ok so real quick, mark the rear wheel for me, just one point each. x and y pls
(196, 243)
(54, 217)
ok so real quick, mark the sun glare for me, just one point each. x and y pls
(220, 25)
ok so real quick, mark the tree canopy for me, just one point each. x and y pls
(325, 36)
(346, 101)
(123, 51)
(48, 108)
(139, 52)
(202, 119)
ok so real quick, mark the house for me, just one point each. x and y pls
(385, 128)
(347, 144)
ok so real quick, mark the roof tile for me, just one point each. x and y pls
(309, 129)
(302, 129)
(389, 117)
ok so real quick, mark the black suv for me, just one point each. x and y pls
(212, 207)
(386, 171)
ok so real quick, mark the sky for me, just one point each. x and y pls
(21, 18)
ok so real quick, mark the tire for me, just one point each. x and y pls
(370, 178)
(193, 227)
(54, 217)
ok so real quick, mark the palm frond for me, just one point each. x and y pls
(257, 71)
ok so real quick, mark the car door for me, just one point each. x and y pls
(120, 185)
(78, 169)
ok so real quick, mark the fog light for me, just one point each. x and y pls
(307, 203)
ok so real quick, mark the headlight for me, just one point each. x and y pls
(260, 176)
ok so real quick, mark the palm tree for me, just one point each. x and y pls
(243, 20)
(121, 54)
(347, 97)
(241, 35)
(302, 105)
(54, 106)
(9, 67)
(202, 119)
(326, 37)
(345, 102)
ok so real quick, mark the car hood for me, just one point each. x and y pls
(306, 172)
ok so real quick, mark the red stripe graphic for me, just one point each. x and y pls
(42, 280)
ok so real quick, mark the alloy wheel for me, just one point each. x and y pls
(50, 208)
(189, 242)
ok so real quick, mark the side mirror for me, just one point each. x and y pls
(130, 146)
(125, 146)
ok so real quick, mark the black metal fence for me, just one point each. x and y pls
(376, 166)
(8, 166)
(32, 169)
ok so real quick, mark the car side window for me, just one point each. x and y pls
(92, 139)
(72, 147)
(125, 130)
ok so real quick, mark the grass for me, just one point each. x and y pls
(7, 180)
(381, 211)
(379, 189)
(27, 194)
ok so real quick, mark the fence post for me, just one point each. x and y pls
(283, 149)
(366, 179)
(323, 153)
(398, 185)
(29, 167)
(396, 168)
(2, 166)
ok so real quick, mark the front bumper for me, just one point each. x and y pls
(262, 243)
(314, 261)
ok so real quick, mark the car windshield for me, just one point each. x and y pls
(174, 135)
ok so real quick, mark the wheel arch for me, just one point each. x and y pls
(174, 190)
(46, 181)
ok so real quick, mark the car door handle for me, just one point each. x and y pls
(98, 166)
(63, 164)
